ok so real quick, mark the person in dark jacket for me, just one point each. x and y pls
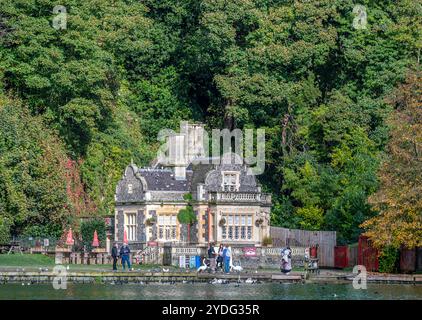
(220, 257)
(115, 255)
(211, 256)
(124, 253)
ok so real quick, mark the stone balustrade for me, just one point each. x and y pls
(240, 197)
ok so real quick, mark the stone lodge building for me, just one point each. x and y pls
(228, 203)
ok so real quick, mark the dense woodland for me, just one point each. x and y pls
(341, 105)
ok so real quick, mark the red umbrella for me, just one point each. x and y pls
(95, 242)
(69, 239)
(125, 237)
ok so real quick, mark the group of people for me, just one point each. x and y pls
(123, 253)
(220, 259)
(217, 260)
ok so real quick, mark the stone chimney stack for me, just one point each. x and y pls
(194, 140)
(185, 147)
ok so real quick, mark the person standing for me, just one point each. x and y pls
(227, 257)
(115, 255)
(286, 260)
(124, 253)
(211, 256)
(220, 257)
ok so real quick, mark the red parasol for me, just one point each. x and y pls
(95, 242)
(69, 239)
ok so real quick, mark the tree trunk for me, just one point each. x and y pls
(188, 232)
(228, 118)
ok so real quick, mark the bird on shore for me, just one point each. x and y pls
(250, 281)
(203, 267)
(235, 268)
(216, 281)
(166, 270)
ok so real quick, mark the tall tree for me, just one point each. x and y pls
(399, 200)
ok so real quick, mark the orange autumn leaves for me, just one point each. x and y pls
(399, 199)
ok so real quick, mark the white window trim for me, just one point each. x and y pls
(226, 215)
(237, 174)
(131, 234)
(168, 226)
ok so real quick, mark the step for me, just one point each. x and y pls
(285, 277)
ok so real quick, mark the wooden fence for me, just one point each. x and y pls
(326, 241)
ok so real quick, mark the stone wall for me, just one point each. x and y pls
(257, 257)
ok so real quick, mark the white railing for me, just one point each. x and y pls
(240, 196)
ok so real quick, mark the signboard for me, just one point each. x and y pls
(249, 252)
(192, 262)
(46, 242)
(182, 261)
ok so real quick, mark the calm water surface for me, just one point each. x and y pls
(203, 291)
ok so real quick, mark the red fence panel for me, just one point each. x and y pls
(341, 258)
(367, 255)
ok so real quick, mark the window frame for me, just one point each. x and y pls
(167, 227)
(231, 187)
(238, 227)
(131, 225)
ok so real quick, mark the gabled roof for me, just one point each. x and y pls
(163, 180)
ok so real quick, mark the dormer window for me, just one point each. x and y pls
(129, 188)
(230, 181)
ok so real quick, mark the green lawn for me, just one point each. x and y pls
(32, 262)
(25, 260)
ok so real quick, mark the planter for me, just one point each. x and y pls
(150, 222)
(222, 222)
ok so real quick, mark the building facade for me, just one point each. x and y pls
(227, 202)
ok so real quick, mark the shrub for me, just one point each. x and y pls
(186, 216)
(4, 230)
(87, 231)
(267, 241)
(388, 259)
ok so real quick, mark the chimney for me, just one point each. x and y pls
(194, 140)
(183, 148)
(177, 156)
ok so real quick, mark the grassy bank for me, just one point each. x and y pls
(25, 260)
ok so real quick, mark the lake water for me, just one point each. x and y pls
(203, 291)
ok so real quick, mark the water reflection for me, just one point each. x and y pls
(204, 291)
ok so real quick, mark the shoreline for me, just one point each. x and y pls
(145, 277)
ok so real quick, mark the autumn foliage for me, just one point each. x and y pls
(399, 199)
